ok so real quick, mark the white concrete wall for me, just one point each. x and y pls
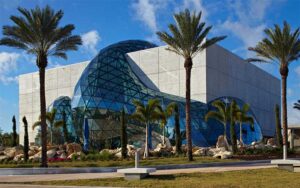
(59, 82)
(216, 72)
(229, 75)
(163, 70)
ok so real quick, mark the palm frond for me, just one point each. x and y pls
(36, 124)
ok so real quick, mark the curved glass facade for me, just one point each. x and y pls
(108, 84)
(216, 128)
(63, 104)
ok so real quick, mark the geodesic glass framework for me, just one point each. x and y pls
(63, 104)
(109, 84)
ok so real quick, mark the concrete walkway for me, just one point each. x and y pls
(52, 177)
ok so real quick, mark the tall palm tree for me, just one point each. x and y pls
(187, 39)
(222, 114)
(243, 117)
(50, 119)
(167, 113)
(37, 31)
(147, 114)
(280, 46)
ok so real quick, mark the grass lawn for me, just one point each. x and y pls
(123, 163)
(265, 178)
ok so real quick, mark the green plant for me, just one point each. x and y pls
(243, 117)
(178, 142)
(50, 117)
(14, 128)
(63, 124)
(221, 115)
(123, 134)
(147, 114)
(37, 32)
(188, 37)
(166, 114)
(281, 46)
(26, 142)
(278, 126)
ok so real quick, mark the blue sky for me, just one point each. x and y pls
(103, 22)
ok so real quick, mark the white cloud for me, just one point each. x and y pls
(195, 5)
(293, 114)
(8, 63)
(146, 11)
(289, 92)
(297, 70)
(246, 21)
(90, 41)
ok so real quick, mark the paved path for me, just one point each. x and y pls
(51, 177)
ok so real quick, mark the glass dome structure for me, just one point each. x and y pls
(63, 104)
(108, 84)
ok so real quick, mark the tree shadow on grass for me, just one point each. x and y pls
(161, 177)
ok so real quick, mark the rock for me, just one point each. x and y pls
(2, 148)
(119, 155)
(201, 152)
(73, 148)
(253, 143)
(31, 153)
(223, 155)
(271, 142)
(51, 153)
(34, 148)
(35, 158)
(13, 151)
(3, 157)
(214, 151)
(63, 155)
(18, 157)
(2, 153)
(222, 142)
(259, 146)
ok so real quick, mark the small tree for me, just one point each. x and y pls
(149, 113)
(14, 128)
(233, 110)
(26, 141)
(63, 123)
(243, 117)
(123, 134)
(278, 125)
(177, 130)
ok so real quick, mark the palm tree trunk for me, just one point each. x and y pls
(43, 117)
(146, 152)
(225, 137)
(241, 134)
(177, 131)
(51, 135)
(284, 73)
(164, 140)
(188, 64)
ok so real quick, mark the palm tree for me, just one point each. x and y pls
(280, 46)
(167, 113)
(50, 119)
(187, 39)
(63, 124)
(221, 115)
(147, 114)
(233, 118)
(243, 117)
(37, 32)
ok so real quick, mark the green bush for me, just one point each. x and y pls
(103, 156)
